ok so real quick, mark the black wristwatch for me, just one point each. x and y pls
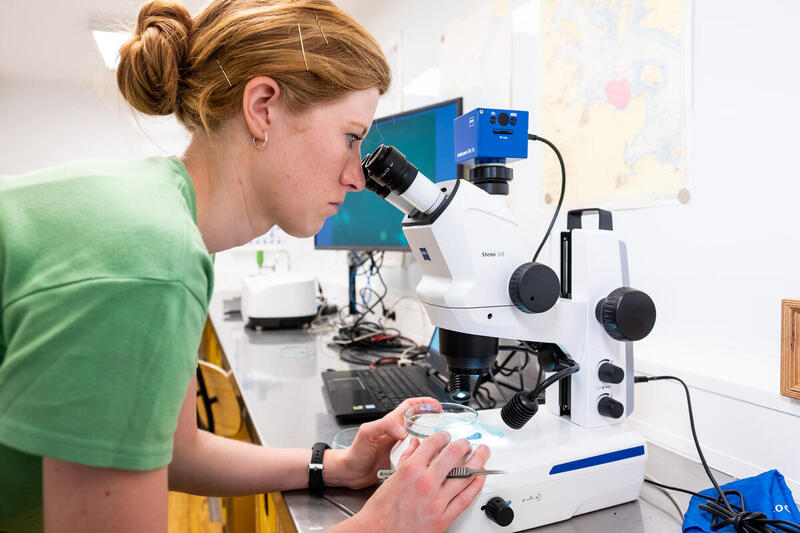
(315, 468)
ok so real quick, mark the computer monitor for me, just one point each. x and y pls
(425, 137)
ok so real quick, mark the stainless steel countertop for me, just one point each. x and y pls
(278, 374)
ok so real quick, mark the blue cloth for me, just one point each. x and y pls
(765, 492)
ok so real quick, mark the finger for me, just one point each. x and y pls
(430, 447)
(398, 411)
(392, 423)
(463, 499)
(452, 487)
(451, 456)
(383, 426)
(413, 444)
(408, 402)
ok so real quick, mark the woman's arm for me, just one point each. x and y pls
(207, 464)
(418, 497)
(88, 499)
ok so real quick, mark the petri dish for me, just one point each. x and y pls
(344, 438)
(425, 419)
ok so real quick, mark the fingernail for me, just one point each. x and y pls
(446, 436)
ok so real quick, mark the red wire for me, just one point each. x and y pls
(382, 360)
(377, 338)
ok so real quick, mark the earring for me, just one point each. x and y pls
(262, 145)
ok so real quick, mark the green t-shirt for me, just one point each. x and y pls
(104, 288)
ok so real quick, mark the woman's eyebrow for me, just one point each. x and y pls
(359, 125)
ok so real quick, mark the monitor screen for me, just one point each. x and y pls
(425, 137)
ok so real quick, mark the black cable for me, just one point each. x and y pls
(686, 491)
(503, 370)
(557, 376)
(366, 355)
(563, 187)
(507, 385)
(501, 367)
(380, 296)
(491, 402)
(723, 513)
(539, 378)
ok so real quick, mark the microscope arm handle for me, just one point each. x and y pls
(574, 218)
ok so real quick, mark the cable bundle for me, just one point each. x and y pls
(723, 512)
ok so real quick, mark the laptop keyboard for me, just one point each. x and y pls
(391, 385)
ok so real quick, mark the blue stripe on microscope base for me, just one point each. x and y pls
(598, 460)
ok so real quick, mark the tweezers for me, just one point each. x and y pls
(458, 472)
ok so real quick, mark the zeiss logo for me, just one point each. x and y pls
(424, 253)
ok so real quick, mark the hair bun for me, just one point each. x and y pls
(150, 63)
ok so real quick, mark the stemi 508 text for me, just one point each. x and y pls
(492, 254)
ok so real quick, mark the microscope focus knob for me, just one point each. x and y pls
(626, 314)
(610, 373)
(534, 288)
(499, 511)
(608, 406)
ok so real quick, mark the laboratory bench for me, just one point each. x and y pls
(277, 374)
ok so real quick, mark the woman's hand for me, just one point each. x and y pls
(357, 466)
(418, 496)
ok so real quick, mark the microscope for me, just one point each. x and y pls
(479, 285)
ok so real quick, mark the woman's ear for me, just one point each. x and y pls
(259, 103)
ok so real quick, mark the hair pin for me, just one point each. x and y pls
(302, 47)
(224, 74)
(320, 28)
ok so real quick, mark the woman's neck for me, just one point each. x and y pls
(226, 215)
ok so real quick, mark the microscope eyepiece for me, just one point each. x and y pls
(376, 187)
(390, 169)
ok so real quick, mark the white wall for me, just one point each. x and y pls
(43, 123)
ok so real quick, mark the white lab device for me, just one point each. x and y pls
(478, 285)
(278, 300)
(555, 470)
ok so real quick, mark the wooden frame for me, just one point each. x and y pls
(790, 348)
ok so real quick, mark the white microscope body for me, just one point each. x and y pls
(578, 455)
(559, 466)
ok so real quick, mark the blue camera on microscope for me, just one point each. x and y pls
(488, 135)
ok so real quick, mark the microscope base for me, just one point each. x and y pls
(555, 470)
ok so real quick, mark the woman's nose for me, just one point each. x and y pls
(353, 176)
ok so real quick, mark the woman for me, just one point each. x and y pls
(105, 278)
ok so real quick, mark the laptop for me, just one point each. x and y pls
(361, 395)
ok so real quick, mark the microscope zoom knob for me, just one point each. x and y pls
(534, 288)
(610, 373)
(608, 406)
(499, 512)
(626, 314)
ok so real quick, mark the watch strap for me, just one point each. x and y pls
(315, 484)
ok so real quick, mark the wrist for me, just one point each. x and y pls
(316, 468)
(333, 470)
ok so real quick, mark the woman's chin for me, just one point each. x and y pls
(304, 231)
